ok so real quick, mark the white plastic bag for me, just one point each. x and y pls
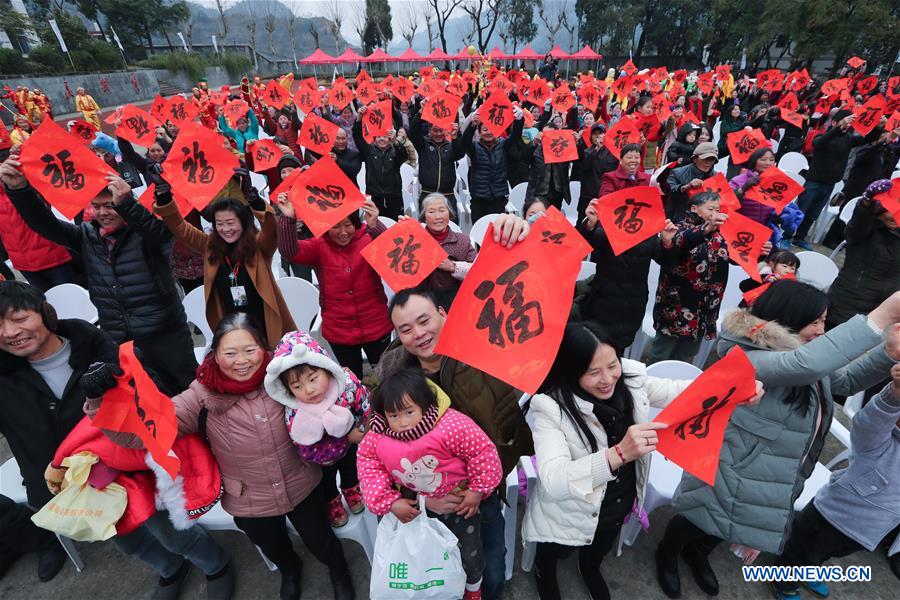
(419, 559)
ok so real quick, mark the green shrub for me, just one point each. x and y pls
(234, 63)
(51, 58)
(84, 60)
(190, 63)
(12, 62)
(106, 55)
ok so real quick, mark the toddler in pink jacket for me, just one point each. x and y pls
(417, 442)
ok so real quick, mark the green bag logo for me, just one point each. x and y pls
(401, 571)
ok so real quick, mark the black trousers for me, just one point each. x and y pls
(170, 355)
(346, 466)
(389, 206)
(589, 557)
(350, 356)
(310, 519)
(681, 533)
(48, 278)
(18, 534)
(813, 540)
(487, 206)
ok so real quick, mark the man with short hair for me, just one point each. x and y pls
(437, 155)
(491, 403)
(690, 177)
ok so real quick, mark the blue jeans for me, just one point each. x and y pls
(813, 199)
(493, 542)
(160, 545)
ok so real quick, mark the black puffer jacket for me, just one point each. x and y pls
(595, 162)
(131, 285)
(437, 162)
(544, 175)
(871, 270)
(618, 295)
(676, 203)
(32, 419)
(488, 171)
(681, 150)
(830, 153)
(382, 166)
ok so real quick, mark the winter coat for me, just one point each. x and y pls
(459, 249)
(770, 449)
(454, 452)
(691, 282)
(27, 250)
(518, 164)
(616, 180)
(354, 305)
(728, 125)
(618, 294)
(437, 162)
(299, 348)
(681, 150)
(830, 153)
(595, 164)
(751, 209)
(131, 284)
(488, 171)
(32, 419)
(544, 175)
(871, 270)
(277, 315)
(872, 162)
(241, 138)
(863, 500)
(491, 403)
(677, 202)
(565, 507)
(382, 166)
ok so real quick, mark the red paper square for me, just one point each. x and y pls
(404, 255)
(630, 216)
(307, 98)
(621, 134)
(441, 109)
(775, 188)
(199, 165)
(559, 145)
(323, 196)
(265, 154)
(717, 184)
(379, 118)
(180, 111)
(275, 95)
(496, 113)
(869, 115)
(317, 134)
(745, 238)
(562, 99)
(148, 197)
(742, 143)
(84, 131)
(138, 126)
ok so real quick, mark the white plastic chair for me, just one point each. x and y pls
(72, 301)
(852, 405)
(793, 161)
(195, 307)
(575, 191)
(828, 215)
(517, 198)
(673, 369)
(302, 299)
(845, 215)
(721, 165)
(588, 268)
(646, 333)
(361, 179)
(480, 228)
(261, 184)
(407, 175)
(462, 171)
(817, 480)
(277, 271)
(795, 176)
(816, 269)
(731, 298)
(387, 222)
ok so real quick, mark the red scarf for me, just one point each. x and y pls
(439, 237)
(210, 375)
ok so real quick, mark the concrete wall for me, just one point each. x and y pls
(121, 88)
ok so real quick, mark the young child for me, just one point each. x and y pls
(418, 444)
(779, 264)
(326, 409)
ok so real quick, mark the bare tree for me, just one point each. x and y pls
(314, 32)
(292, 31)
(569, 27)
(269, 24)
(484, 15)
(360, 20)
(442, 11)
(220, 6)
(409, 22)
(429, 28)
(552, 19)
(334, 15)
(251, 27)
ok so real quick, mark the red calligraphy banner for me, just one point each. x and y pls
(621, 134)
(148, 197)
(630, 216)
(138, 126)
(404, 255)
(158, 107)
(180, 111)
(698, 417)
(441, 109)
(62, 169)
(323, 196)
(275, 95)
(510, 312)
(317, 134)
(265, 154)
(137, 406)
(745, 239)
(717, 184)
(589, 96)
(562, 99)
(199, 164)
(742, 143)
(496, 114)
(775, 188)
(83, 130)
(753, 295)
(403, 89)
(307, 98)
(869, 115)
(378, 118)
(339, 96)
(234, 110)
(559, 145)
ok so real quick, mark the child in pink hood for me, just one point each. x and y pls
(326, 409)
(418, 444)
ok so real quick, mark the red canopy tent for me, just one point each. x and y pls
(586, 53)
(410, 55)
(464, 54)
(497, 54)
(437, 54)
(318, 58)
(558, 52)
(349, 56)
(528, 54)
(378, 55)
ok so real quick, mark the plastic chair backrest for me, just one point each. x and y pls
(848, 209)
(671, 369)
(721, 165)
(588, 268)
(462, 170)
(480, 228)
(795, 176)
(816, 269)
(793, 161)
(387, 221)
(517, 197)
(732, 295)
(195, 307)
(302, 299)
(72, 301)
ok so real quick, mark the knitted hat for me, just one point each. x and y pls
(299, 348)
(288, 160)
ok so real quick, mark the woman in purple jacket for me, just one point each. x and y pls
(759, 161)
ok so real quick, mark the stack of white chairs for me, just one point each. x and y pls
(845, 215)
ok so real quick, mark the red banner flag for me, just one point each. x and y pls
(496, 113)
(137, 406)
(234, 110)
(869, 115)
(323, 196)
(430, 87)
(275, 95)
(775, 188)
(180, 111)
(705, 82)
(404, 255)
(441, 109)
(697, 418)
(864, 86)
(624, 132)
(629, 68)
(339, 96)
(367, 93)
(317, 134)
(855, 62)
(378, 118)
(893, 122)
(723, 72)
(158, 108)
(562, 99)
(286, 184)
(538, 92)
(589, 96)
(307, 98)
(718, 185)
(622, 87)
(265, 153)
(5, 139)
(742, 143)
(833, 87)
(559, 145)
(199, 164)
(403, 89)
(795, 119)
(648, 125)
(745, 239)
(509, 315)
(138, 127)
(83, 130)
(62, 169)
(630, 216)
(789, 102)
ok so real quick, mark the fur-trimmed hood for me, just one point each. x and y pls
(742, 328)
(299, 348)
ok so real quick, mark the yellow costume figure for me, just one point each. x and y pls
(21, 131)
(87, 106)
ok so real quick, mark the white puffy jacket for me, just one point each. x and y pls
(565, 507)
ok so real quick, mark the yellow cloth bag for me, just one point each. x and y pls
(80, 511)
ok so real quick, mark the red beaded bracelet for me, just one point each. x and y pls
(619, 452)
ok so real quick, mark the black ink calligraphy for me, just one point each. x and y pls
(195, 166)
(525, 318)
(632, 224)
(408, 251)
(329, 196)
(698, 426)
(62, 171)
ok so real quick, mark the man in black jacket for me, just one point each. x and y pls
(383, 159)
(826, 167)
(488, 158)
(690, 176)
(437, 153)
(126, 254)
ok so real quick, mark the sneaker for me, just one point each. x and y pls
(470, 595)
(337, 516)
(819, 588)
(802, 244)
(354, 499)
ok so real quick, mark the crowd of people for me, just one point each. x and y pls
(368, 416)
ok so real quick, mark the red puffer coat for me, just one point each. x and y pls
(354, 306)
(27, 250)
